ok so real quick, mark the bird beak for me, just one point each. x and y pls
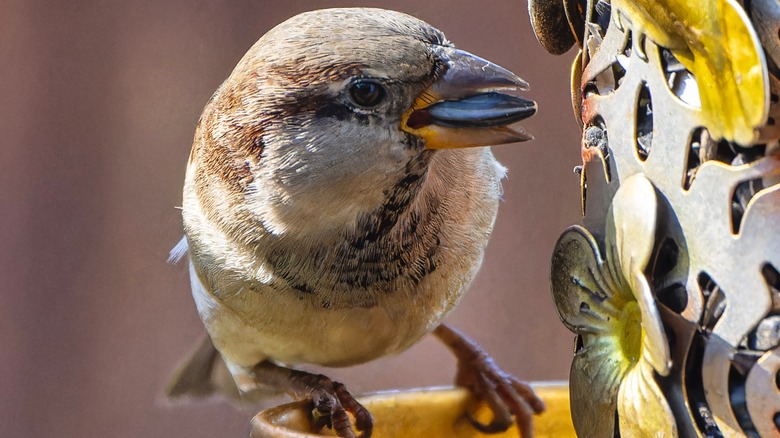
(469, 105)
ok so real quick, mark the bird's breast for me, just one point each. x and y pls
(367, 292)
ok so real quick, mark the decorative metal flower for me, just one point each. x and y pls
(608, 302)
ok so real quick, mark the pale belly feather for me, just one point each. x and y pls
(282, 326)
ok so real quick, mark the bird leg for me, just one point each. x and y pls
(505, 394)
(330, 401)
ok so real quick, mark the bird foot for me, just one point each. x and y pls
(330, 401)
(506, 395)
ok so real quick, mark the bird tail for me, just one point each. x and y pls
(203, 374)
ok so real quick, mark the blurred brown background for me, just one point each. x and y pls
(98, 104)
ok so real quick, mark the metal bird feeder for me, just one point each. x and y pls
(672, 286)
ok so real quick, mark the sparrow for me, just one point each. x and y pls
(337, 203)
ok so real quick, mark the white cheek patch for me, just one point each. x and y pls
(324, 178)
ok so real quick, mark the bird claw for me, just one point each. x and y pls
(330, 404)
(505, 395)
(330, 401)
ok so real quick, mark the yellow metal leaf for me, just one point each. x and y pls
(714, 40)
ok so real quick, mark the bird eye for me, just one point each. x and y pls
(367, 93)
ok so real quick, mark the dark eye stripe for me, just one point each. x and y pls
(339, 111)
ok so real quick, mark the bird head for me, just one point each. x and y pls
(330, 109)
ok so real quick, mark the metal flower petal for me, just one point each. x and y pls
(608, 303)
(642, 407)
(631, 222)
